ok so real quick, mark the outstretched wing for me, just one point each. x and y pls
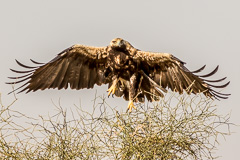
(168, 71)
(78, 67)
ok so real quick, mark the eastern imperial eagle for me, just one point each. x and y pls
(129, 72)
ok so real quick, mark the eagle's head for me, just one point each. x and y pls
(121, 45)
(118, 43)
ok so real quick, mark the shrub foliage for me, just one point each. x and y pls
(176, 127)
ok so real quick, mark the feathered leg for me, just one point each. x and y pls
(113, 87)
(133, 90)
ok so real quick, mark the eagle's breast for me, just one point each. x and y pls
(118, 59)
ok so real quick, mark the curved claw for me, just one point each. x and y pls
(130, 106)
(112, 90)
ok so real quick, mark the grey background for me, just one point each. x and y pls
(197, 32)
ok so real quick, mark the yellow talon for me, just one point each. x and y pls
(130, 106)
(112, 90)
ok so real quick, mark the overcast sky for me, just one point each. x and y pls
(197, 32)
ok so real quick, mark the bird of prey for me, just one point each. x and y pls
(129, 72)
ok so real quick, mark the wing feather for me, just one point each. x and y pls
(171, 72)
(76, 67)
(93, 77)
(58, 83)
(75, 74)
(211, 73)
(199, 70)
(85, 77)
(43, 78)
(178, 81)
(56, 77)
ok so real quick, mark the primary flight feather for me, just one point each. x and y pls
(131, 73)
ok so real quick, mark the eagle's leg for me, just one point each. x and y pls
(121, 81)
(130, 106)
(113, 87)
(133, 90)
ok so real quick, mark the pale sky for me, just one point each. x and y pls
(197, 32)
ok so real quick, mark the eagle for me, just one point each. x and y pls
(129, 72)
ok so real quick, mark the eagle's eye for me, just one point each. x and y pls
(120, 43)
(117, 43)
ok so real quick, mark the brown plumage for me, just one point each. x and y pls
(131, 73)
